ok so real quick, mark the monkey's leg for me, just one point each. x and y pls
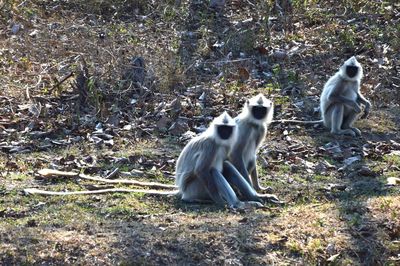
(233, 176)
(240, 166)
(219, 185)
(195, 192)
(245, 189)
(337, 112)
(220, 190)
(349, 118)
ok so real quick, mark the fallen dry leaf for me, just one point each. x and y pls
(393, 181)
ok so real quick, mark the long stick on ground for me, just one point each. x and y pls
(56, 173)
(99, 191)
(288, 121)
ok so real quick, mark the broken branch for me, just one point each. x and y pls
(56, 173)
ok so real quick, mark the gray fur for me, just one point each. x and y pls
(200, 167)
(341, 101)
(251, 134)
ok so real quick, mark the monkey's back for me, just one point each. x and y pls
(328, 87)
(190, 156)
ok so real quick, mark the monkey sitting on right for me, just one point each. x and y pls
(341, 99)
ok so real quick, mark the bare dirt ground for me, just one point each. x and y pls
(74, 98)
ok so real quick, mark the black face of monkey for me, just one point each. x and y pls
(259, 112)
(351, 71)
(224, 132)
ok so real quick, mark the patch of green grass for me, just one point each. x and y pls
(117, 211)
(233, 86)
(315, 246)
(283, 169)
(321, 178)
(300, 178)
(18, 176)
(393, 247)
(282, 100)
(294, 246)
(392, 160)
(316, 16)
(241, 41)
(347, 37)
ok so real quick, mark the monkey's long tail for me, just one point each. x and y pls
(288, 121)
(99, 191)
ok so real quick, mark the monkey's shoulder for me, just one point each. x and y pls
(337, 85)
(247, 124)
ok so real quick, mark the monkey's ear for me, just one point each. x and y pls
(270, 114)
(352, 59)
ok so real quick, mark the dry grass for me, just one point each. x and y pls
(332, 217)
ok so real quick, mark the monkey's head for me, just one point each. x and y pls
(224, 129)
(259, 109)
(351, 69)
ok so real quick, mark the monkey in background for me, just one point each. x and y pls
(341, 99)
(203, 172)
(252, 125)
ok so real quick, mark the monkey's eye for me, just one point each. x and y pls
(224, 132)
(351, 71)
(259, 112)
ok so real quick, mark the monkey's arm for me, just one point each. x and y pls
(241, 168)
(361, 99)
(333, 99)
(218, 185)
(247, 191)
(254, 177)
(336, 97)
(236, 179)
(215, 184)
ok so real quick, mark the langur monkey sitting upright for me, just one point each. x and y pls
(252, 125)
(203, 172)
(341, 99)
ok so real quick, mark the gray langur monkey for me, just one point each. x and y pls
(341, 99)
(252, 125)
(203, 172)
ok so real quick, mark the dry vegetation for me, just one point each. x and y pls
(72, 100)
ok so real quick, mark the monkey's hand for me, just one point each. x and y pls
(270, 198)
(356, 107)
(366, 110)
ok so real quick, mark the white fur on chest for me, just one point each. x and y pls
(250, 150)
(220, 157)
(349, 92)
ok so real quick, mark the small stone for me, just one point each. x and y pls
(178, 128)
(16, 28)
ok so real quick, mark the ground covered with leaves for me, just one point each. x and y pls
(116, 88)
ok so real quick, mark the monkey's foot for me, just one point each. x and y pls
(347, 131)
(248, 205)
(356, 130)
(270, 198)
